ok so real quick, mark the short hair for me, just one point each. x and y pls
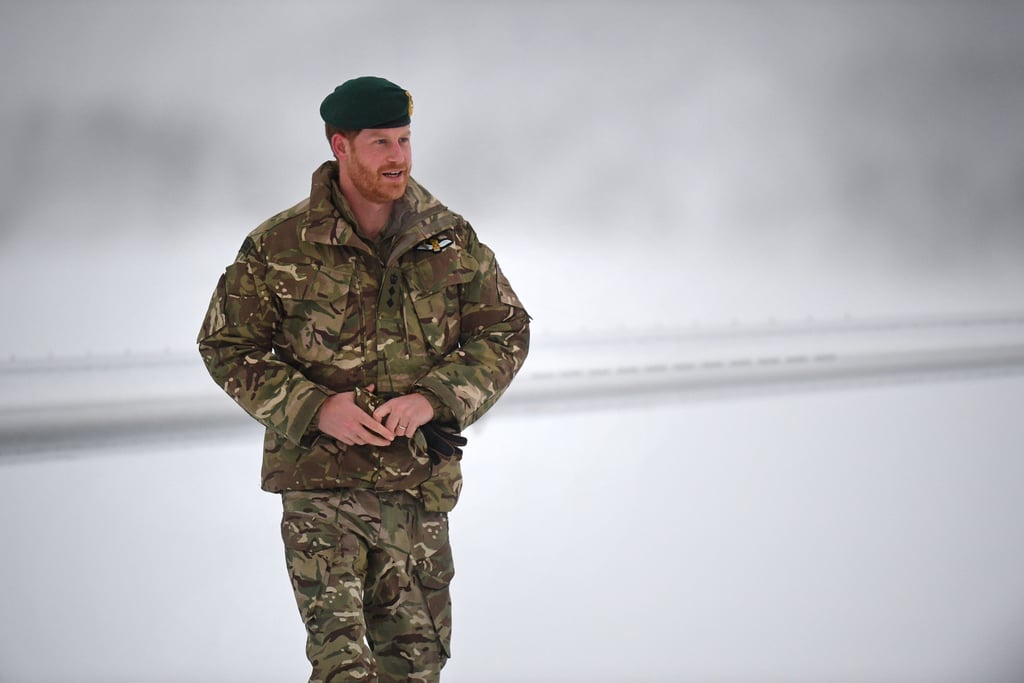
(331, 131)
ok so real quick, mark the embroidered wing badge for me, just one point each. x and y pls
(434, 245)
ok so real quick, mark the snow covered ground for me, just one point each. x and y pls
(863, 534)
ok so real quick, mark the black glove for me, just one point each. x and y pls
(443, 441)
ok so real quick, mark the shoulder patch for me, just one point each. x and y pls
(434, 245)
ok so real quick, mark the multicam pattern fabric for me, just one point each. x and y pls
(309, 309)
(371, 575)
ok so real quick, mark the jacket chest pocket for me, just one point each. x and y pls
(435, 283)
(316, 321)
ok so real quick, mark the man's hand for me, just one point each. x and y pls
(341, 418)
(405, 414)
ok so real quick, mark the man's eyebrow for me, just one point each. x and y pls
(383, 134)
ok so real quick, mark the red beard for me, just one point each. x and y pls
(373, 185)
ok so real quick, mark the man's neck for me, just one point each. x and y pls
(371, 217)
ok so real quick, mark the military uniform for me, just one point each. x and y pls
(309, 309)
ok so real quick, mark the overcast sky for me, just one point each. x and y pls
(894, 120)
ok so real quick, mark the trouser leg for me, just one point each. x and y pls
(327, 565)
(407, 600)
(370, 572)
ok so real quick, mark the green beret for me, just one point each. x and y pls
(367, 102)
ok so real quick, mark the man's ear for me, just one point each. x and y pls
(339, 145)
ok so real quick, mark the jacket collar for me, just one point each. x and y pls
(416, 216)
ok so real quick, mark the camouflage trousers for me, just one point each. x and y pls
(370, 571)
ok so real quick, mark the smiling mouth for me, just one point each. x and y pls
(393, 174)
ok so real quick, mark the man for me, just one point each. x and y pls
(365, 327)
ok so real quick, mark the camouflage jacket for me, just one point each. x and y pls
(309, 309)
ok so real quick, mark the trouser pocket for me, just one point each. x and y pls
(435, 583)
(434, 571)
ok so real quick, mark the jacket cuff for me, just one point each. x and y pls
(442, 413)
(303, 428)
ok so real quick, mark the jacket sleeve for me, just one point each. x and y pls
(236, 343)
(493, 343)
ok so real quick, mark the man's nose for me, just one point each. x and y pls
(395, 153)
